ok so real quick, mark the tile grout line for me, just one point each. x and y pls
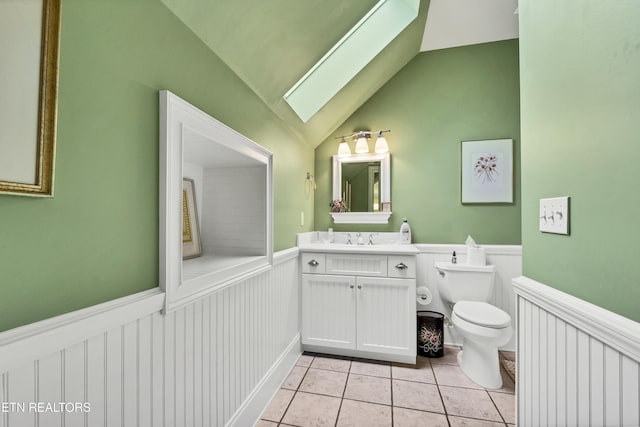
(349, 398)
(391, 379)
(391, 384)
(295, 392)
(476, 419)
(496, 406)
(343, 392)
(444, 408)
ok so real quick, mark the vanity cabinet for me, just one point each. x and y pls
(359, 305)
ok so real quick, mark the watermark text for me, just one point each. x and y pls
(44, 407)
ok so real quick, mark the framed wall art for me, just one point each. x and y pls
(191, 245)
(29, 87)
(487, 171)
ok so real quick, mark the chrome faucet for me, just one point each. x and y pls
(371, 238)
(348, 238)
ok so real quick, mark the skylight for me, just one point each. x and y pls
(350, 55)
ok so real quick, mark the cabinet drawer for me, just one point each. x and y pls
(313, 262)
(356, 264)
(402, 266)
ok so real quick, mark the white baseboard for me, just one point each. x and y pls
(361, 354)
(251, 409)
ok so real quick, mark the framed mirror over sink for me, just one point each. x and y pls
(362, 183)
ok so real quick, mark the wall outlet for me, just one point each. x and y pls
(301, 218)
(554, 215)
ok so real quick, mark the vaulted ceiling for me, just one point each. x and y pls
(271, 44)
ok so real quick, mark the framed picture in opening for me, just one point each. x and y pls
(487, 171)
(191, 245)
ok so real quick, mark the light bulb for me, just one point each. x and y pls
(381, 145)
(343, 149)
(361, 145)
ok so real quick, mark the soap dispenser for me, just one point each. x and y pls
(405, 232)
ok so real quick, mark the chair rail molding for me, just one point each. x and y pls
(577, 363)
(612, 329)
(38, 339)
(433, 248)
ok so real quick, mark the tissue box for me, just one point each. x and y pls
(476, 256)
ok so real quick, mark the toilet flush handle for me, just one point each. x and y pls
(440, 272)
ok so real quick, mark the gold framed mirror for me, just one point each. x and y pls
(29, 47)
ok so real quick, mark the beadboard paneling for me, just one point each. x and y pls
(569, 373)
(234, 199)
(200, 365)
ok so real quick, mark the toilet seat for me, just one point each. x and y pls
(482, 314)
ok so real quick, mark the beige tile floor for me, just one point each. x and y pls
(323, 390)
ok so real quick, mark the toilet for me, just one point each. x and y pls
(465, 289)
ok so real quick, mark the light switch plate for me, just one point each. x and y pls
(554, 215)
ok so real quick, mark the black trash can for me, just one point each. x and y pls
(430, 334)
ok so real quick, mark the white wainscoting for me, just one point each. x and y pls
(234, 199)
(214, 362)
(508, 262)
(578, 364)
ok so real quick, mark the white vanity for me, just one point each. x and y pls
(359, 300)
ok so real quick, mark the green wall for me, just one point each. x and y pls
(97, 239)
(580, 79)
(438, 100)
(272, 44)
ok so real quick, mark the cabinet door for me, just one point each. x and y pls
(328, 311)
(386, 321)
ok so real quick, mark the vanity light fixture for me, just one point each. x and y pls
(362, 145)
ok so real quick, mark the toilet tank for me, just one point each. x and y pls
(463, 282)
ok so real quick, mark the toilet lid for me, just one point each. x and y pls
(481, 313)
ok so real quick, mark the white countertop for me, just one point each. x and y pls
(384, 248)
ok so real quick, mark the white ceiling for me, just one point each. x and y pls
(452, 23)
